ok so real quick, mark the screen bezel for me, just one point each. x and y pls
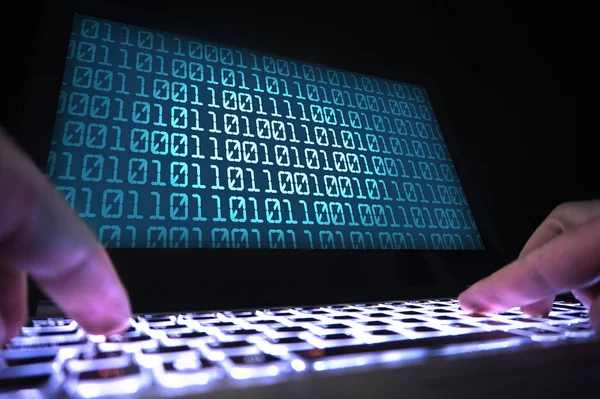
(330, 276)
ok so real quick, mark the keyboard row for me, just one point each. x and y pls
(173, 351)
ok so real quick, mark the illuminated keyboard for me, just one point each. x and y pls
(171, 354)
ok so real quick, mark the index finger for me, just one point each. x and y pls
(569, 261)
(41, 235)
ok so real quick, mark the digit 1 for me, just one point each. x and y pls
(404, 175)
(297, 164)
(196, 95)
(212, 75)
(310, 239)
(117, 146)
(266, 161)
(406, 223)
(370, 235)
(335, 142)
(178, 52)
(198, 183)
(345, 84)
(367, 171)
(160, 116)
(240, 64)
(423, 199)
(247, 123)
(408, 153)
(254, 63)
(67, 175)
(274, 113)
(127, 41)
(253, 188)
(325, 99)
(424, 239)
(114, 178)
(213, 96)
(293, 238)
(299, 96)
(295, 75)
(435, 200)
(196, 126)
(361, 147)
(257, 79)
(397, 191)
(158, 171)
(270, 189)
(256, 219)
(122, 90)
(394, 224)
(367, 127)
(285, 93)
(415, 175)
(135, 214)
(125, 59)
(219, 217)
(105, 60)
(353, 222)
(88, 204)
(197, 155)
(243, 80)
(318, 192)
(390, 130)
(343, 123)
(306, 214)
(291, 218)
(120, 116)
(161, 65)
(360, 193)
(384, 145)
(289, 110)
(214, 127)
(304, 118)
(339, 233)
(387, 197)
(308, 140)
(161, 47)
(108, 33)
(260, 105)
(199, 231)
(133, 234)
(216, 156)
(217, 185)
(157, 215)
(198, 218)
(255, 231)
(431, 224)
(293, 139)
(327, 167)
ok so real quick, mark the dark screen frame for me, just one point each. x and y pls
(179, 279)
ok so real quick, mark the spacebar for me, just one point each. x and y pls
(425, 343)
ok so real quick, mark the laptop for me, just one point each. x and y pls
(284, 227)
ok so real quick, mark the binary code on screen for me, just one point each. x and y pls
(164, 141)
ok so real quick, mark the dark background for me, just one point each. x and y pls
(517, 80)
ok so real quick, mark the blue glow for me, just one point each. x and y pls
(162, 141)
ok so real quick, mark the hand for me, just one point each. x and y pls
(562, 255)
(41, 237)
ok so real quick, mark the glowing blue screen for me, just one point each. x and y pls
(164, 141)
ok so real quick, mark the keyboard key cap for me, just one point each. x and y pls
(383, 332)
(425, 329)
(285, 340)
(429, 343)
(374, 323)
(445, 318)
(290, 329)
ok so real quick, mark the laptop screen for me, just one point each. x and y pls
(166, 141)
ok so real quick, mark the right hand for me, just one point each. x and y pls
(562, 255)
